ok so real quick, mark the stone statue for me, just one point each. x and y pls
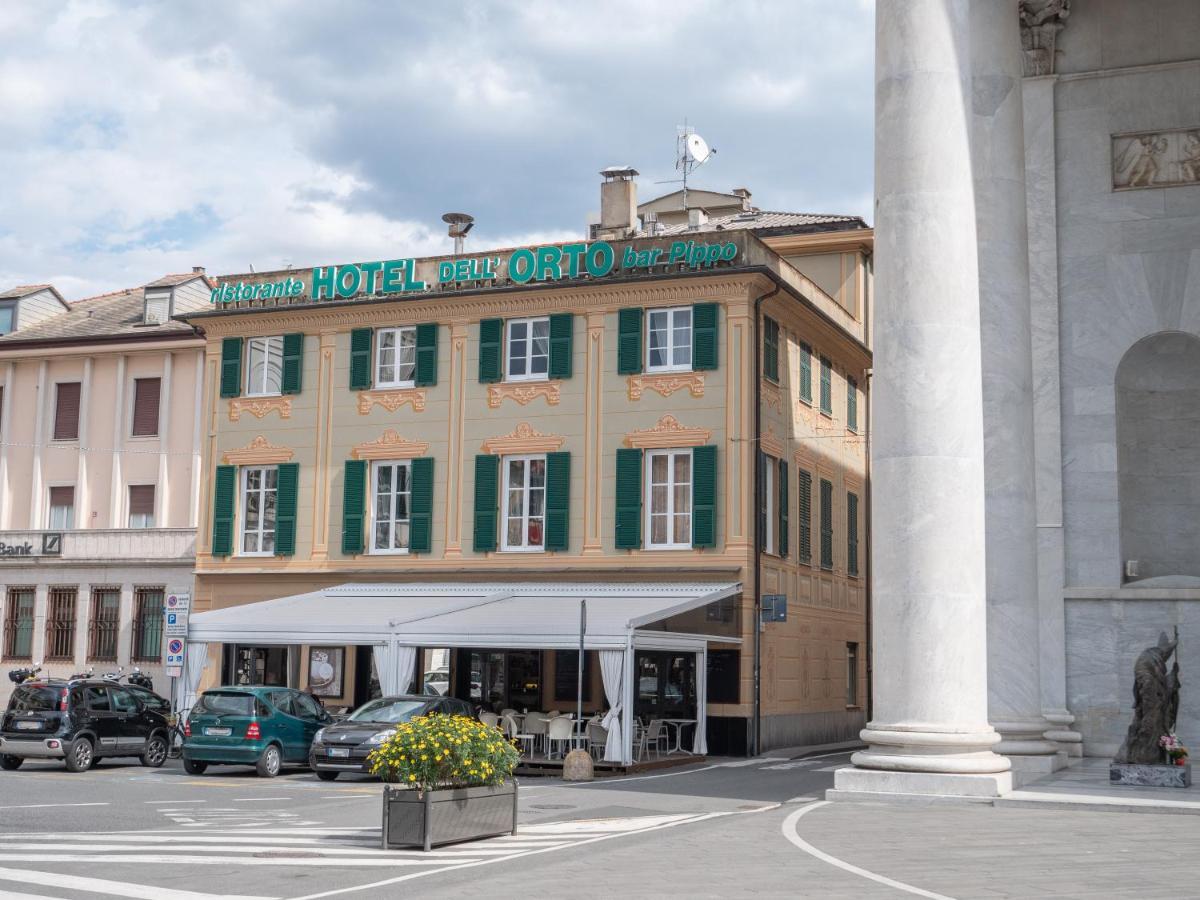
(1155, 704)
(1041, 21)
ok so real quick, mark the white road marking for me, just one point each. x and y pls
(791, 832)
(175, 859)
(258, 799)
(173, 802)
(104, 886)
(17, 895)
(49, 805)
(800, 800)
(757, 761)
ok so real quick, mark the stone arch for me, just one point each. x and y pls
(1158, 455)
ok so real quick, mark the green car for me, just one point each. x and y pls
(264, 727)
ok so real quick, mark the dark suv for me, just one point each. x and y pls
(81, 722)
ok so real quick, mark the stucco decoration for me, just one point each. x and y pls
(771, 444)
(259, 407)
(667, 433)
(259, 451)
(772, 395)
(524, 439)
(1153, 159)
(389, 446)
(1041, 21)
(391, 400)
(523, 392)
(666, 383)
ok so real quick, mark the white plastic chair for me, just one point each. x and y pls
(512, 730)
(597, 739)
(654, 736)
(553, 714)
(488, 718)
(507, 711)
(536, 725)
(560, 730)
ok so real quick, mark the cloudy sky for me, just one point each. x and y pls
(144, 138)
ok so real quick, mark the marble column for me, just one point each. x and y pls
(930, 731)
(998, 151)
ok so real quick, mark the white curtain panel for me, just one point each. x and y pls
(700, 744)
(397, 674)
(612, 670)
(379, 662)
(187, 687)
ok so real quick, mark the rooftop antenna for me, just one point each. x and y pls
(460, 224)
(691, 152)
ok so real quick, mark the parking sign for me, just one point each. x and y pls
(173, 653)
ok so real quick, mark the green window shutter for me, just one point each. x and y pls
(826, 386)
(231, 367)
(287, 484)
(360, 359)
(704, 496)
(629, 341)
(704, 336)
(293, 363)
(826, 524)
(628, 521)
(354, 502)
(761, 500)
(804, 538)
(558, 500)
(783, 509)
(224, 490)
(562, 327)
(491, 343)
(427, 355)
(770, 348)
(420, 508)
(852, 533)
(487, 488)
(806, 373)
(852, 404)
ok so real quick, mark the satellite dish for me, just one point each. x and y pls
(697, 148)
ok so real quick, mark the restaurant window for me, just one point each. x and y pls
(60, 623)
(528, 352)
(18, 623)
(141, 506)
(669, 348)
(145, 406)
(257, 666)
(147, 623)
(669, 499)
(496, 679)
(665, 684)
(104, 624)
(524, 503)
(391, 494)
(395, 357)
(851, 674)
(566, 675)
(8, 317)
(264, 366)
(66, 411)
(258, 510)
(724, 676)
(62, 508)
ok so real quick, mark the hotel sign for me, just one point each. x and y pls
(547, 263)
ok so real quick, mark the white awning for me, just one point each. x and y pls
(521, 615)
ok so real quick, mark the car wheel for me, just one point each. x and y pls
(269, 762)
(156, 752)
(327, 776)
(80, 755)
(9, 763)
(194, 766)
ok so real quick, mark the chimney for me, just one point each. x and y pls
(618, 203)
(197, 270)
(696, 218)
(744, 193)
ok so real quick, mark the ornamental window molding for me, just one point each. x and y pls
(524, 439)
(389, 445)
(772, 395)
(260, 452)
(665, 383)
(524, 392)
(668, 432)
(391, 400)
(771, 444)
(259, 407)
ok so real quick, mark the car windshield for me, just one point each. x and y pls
(389, 712)
(29, 698)
(218, 703)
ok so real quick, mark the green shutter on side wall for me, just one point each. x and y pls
(783, 509)
(420, 529)
(558, 500)
(287, 486)
(826, 386)
(629, 341)
(628, 520)
(852, 404)
(224, 488)
(487, 477)
(762, 501)
(293, 363)
(491, 342)
(427, 355)
(704, 496)
(806, 373)
(360, 359)
(231, 367)
(804, 537)
(826, 524)
(704, 336)
(851, 533)
(562, 327)
(771, 349)
(354, 493)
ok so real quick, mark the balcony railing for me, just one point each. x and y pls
(100, 543)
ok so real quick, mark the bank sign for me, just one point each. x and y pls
(549, 263)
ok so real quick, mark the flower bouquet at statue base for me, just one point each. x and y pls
(1177, 753)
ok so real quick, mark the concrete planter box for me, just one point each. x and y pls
(1150, 776)
(413, 819)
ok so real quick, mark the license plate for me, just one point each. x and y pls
(339, 751)
(218, 732)
(29, 726)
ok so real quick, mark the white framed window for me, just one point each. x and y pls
(62, 508)
(158, 310)
(264, 366)
(669, 344)
(395, 357)
(258, 510)
(524, 503)
(528, 349)
(770, 503)
(391, 498)
(141, 506)
(669, 499)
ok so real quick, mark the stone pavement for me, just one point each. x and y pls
(1086, 783)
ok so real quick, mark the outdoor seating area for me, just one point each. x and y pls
(548, 736)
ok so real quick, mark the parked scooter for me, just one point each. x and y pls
(83, 676)
(114, 677)
(22, 675)
(140, 679)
